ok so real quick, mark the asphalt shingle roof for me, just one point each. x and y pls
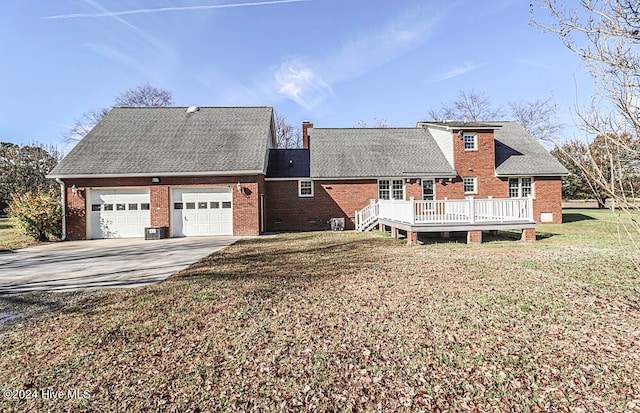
(288, 163)
(381, 152)
(147, 141)
(517, 153)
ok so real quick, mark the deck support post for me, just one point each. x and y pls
(394, 232)
(412, 238)
(474, 237)
(528, 234)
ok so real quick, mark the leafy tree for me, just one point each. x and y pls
(140, 96)
(287, 137)
(23, 169)
(602, 160)
(39, 213)
(576, 185)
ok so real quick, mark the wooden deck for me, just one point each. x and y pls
(470, 215)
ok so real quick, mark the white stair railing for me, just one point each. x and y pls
(367, 216)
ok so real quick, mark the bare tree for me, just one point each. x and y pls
(287, 137)
(537, 118)
(145, 96)
(377, 123)
(468, 107)
(84, 124)
(140, 96)
(605, 34)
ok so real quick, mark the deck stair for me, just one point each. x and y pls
(367, 217)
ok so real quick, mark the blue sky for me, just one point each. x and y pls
(334, 62)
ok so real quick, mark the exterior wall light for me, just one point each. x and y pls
(239, 186)
(74, 190)
(155, 180)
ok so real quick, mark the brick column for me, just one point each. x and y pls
(394, 232)
(528, 234)
(474, 237)
(412, 238)
(159, 205)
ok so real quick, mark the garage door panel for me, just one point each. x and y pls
(119, 213)
(198, 211)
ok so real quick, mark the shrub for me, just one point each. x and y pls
(39, 214)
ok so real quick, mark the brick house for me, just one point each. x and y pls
(340, 170)
(216, 171)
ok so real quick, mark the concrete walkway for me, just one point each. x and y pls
(79, 265)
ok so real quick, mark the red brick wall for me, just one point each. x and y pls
(246, 207)
(160, 205)
(332, 199)
(76, 214)
(548, 198)
(246, 210)
(480, 163)
(342, 198)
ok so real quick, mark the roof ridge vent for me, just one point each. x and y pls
(192, 109)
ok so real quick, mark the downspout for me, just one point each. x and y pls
(63, 199)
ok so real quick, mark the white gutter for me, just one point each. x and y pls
(63, 199)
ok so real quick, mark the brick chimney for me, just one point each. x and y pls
(305, 133)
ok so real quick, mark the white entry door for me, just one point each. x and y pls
(202, 211)
(118, 213)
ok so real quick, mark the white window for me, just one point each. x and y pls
(470, 141)
(520, 187)
(428, 190)
(305, 189)
(391, 189)
(469, 185)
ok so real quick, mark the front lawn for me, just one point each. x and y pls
(11, 237)
(350, 321)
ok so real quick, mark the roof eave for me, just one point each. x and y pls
(452, 128)
(546, 174)
(384, 176)
(155, 174)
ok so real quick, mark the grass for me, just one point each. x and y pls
(350, 321)
(11, 237)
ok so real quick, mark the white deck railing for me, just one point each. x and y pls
(458, 211)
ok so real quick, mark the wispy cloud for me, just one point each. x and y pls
(106, 13)
(457, 71)
(309, 81)
(297, 81)
(138, 51)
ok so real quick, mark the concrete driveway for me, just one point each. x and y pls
(79, 265)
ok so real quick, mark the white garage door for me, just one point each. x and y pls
(202, 211)
(119, 213)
